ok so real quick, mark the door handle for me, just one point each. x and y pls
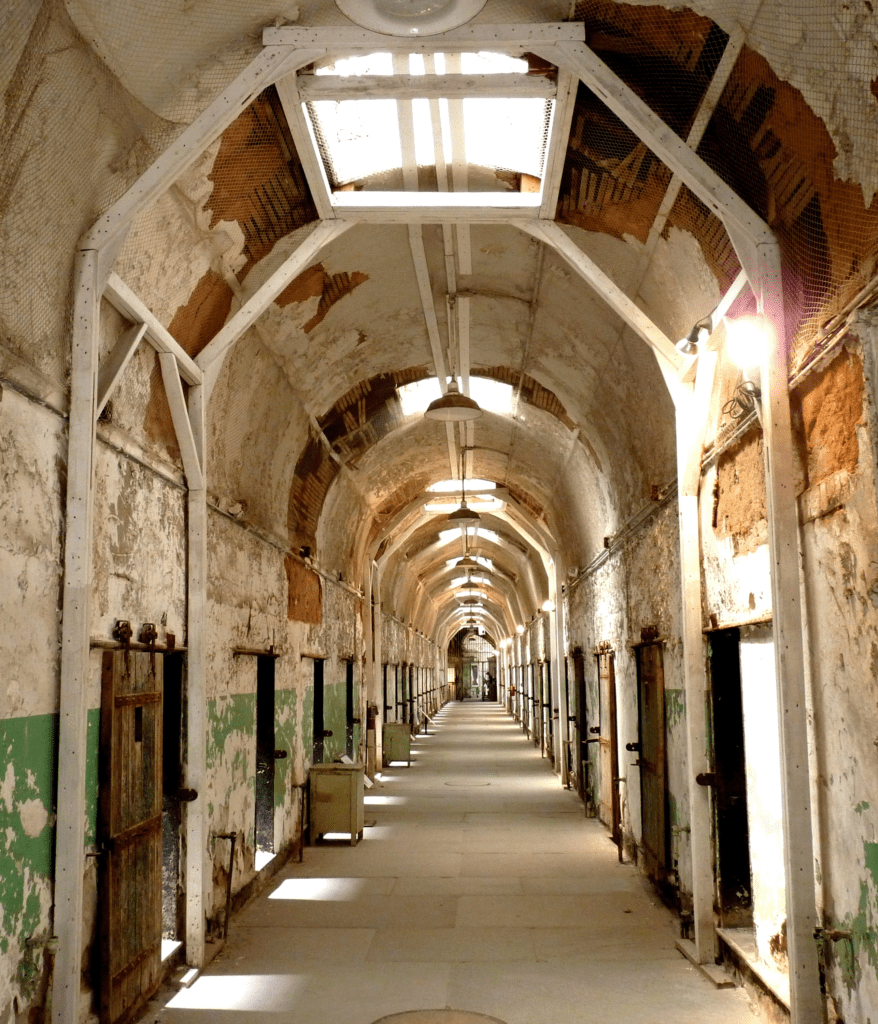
(279, 755)
(186, 796)
(635, 747)
(594, 730)
(706, 778)
(571, 718)
(326, 733)
(356, 721)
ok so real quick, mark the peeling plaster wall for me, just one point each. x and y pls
(32, 478)
(840, 554)
(637, 585)
(249, 608)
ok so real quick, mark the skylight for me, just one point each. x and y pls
(453, 486)
(360, 139)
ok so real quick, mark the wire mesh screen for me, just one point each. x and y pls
(764, 138)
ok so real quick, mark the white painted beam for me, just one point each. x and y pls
(305, 141)
(719, 197)
(133, 308)
(419, 260)
(436, 207)
(115, 363)
(343, 38)
(259, 301)
(314, 88)
(559, 140)
(182, 427)
(806, 1001)
(553, 236)
(76, 681)
(271, 64)
(196, 867)
(692, 408)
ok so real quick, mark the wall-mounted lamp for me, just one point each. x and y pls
(519, 628)
(548, 606)
(699, 334)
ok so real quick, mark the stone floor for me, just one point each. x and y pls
(480, 888)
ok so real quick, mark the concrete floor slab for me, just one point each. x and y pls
(510, 906)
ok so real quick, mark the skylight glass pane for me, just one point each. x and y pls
(506, 134)
(360, 137)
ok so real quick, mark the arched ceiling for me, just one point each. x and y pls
(307, 427)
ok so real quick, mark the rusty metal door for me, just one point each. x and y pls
(610, 805)
(651, 760)
(579, 721)
(130, 795)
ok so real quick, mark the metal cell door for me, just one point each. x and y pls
(609, 746)
(651, 760)
(130, 796)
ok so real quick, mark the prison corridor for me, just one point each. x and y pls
(480, 887)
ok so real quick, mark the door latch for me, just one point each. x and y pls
(706, 778)
(594, 730)
(633, 747)
(327, 733)
(279, 755)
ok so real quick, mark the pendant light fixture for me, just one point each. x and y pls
(453, 407)
(463, 516)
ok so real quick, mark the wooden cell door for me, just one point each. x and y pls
(651, 761)
(611, 813)
(130, 795)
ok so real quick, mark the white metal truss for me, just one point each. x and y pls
(287, 50)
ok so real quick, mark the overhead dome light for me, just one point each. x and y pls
(411, 17)
(453, 407)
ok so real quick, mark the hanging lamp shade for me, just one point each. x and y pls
(410, 17)
(453, 407)
(467, 562)
(463, 516)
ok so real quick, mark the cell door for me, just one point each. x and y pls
(651, 761)
(130, 800)
(610, 813)
(579, 720)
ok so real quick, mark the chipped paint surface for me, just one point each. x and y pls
(27, 770)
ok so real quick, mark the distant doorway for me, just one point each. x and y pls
(610, 805)
(265, 667)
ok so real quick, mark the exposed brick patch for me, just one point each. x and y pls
(304, 593)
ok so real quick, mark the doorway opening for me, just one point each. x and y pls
(173, 895)
(734, 896)
(350, 718)
(319, 727)
(265, 670)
